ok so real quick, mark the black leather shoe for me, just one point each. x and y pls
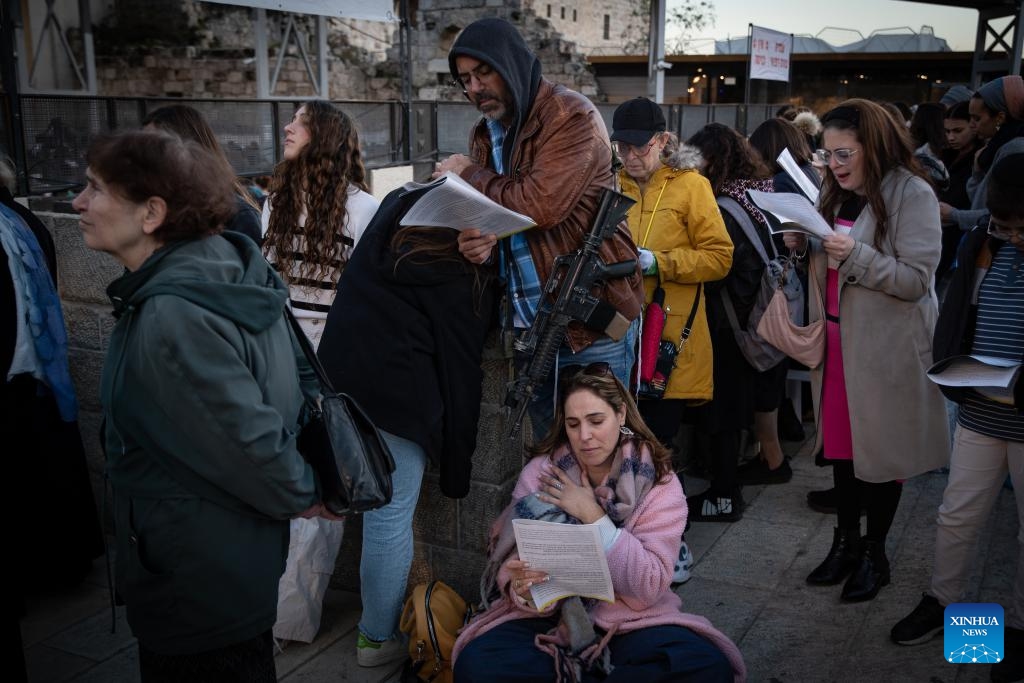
(840, 561)
(870, 574)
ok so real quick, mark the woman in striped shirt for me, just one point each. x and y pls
(317, 210)
(982, 314)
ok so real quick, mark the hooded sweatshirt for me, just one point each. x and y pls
(556, 161)
(498, 43)
(201, 398)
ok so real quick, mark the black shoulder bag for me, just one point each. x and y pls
(342, 445)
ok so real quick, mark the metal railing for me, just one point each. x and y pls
(56, 130)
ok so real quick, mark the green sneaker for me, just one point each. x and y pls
(370, 653)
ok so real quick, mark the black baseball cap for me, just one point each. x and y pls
(635, 122)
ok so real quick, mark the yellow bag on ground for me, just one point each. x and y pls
(432, 617)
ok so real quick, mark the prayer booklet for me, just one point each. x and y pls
(793, 211)
(793, 170)
(451, 202)
(994, 378)
(571, 554)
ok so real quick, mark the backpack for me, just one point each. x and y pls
(779, 273)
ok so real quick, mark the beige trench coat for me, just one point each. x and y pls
(887, 312)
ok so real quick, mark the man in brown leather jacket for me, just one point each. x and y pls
(541, 150)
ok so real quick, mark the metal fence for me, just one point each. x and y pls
(56, 130)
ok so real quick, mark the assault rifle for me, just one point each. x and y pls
(580, 271)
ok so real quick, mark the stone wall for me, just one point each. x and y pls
(450, 535)
(214, 57)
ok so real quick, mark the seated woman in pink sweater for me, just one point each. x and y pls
(599, 464)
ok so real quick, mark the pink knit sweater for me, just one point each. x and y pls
(641, 563)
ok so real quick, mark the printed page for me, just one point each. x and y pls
(453, 203)
(976, 371)
(571, 554)
(792, 169)
(794, 212)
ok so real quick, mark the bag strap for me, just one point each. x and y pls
(730, 312)
(749, 229)
(688, 327)
(307, 350)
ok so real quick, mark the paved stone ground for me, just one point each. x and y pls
(748, 579)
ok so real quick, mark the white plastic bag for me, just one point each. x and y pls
(312, 551)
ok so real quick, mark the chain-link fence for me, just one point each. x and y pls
(56, 130)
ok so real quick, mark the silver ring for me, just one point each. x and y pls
(558, 485)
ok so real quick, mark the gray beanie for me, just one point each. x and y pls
(955, 95)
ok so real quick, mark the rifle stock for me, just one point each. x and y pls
(572, 301)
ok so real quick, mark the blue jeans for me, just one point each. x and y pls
(620, 355)
(657, 654)
(387, 543)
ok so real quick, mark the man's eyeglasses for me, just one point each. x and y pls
(571, 372)
(842, 156)
(622, 150)
(481, 72)
(1006, 234)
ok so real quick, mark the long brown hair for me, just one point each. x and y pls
(609, 389)
(318, 181)
(188, 123)
(426, 245)
(775, 135)
(727, 156)
(886, 145)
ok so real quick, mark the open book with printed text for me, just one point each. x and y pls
(451, 202)
(571, 554)
(995, 378)
(793, 211)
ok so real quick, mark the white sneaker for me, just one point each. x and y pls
(370, 653)
(683, 565)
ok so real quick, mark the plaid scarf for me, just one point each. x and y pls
(574, 644)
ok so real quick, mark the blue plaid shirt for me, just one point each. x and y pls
(524, 287)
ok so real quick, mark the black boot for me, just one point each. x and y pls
(841, 559)
(871, 573)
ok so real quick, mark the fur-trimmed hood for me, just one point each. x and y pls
(685, 158)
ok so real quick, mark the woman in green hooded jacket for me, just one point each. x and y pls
(201, 398)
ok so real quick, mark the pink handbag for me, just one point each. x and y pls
(805, 345)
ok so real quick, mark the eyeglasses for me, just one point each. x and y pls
(481, 72)
(842, 156)
(623, 150)
(1004, 233)
(571, 372)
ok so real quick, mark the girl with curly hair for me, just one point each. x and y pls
(318, 208)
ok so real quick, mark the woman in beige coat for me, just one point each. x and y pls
(880, 419)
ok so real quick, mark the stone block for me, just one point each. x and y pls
(235, 77)
(477, 513)
(460, 569)
(497, 375)
(86, 368)
(494, 462)
(436, 521)
(149, 61)
(439, 66)
(83, 326)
